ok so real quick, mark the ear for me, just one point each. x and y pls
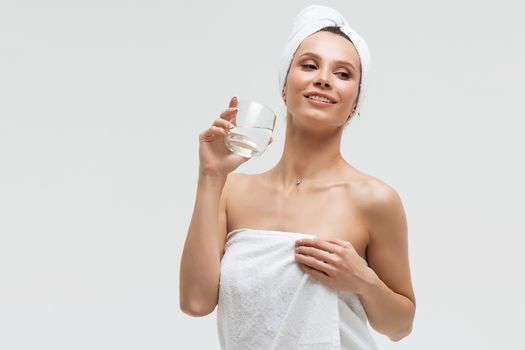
(350, 116)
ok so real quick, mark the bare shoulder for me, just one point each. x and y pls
(236, 182)
(387, 250)
(235, 186)
(383, 210)
(375, 196)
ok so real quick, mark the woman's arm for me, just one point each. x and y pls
(200, 262)
(389, 300)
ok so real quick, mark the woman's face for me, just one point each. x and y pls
(325, 63)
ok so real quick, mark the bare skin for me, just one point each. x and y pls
(333, 201)
(326, 209)
(331, 189)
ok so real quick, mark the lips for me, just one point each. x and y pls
(318, 103)
(320, 94)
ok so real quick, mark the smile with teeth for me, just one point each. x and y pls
(319, 98)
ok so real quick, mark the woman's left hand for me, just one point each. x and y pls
(336, 263)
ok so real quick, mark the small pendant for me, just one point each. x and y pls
(298, 181)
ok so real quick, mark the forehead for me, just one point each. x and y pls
(330, 47)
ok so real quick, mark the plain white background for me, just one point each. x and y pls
(101, 103)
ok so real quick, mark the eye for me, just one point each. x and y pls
(308, 65)
(343, 74)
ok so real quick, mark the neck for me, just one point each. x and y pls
(308, 156)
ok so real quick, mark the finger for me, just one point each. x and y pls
(229, 114)
(322, 244)
(215, 130)
(233, 102)
(210, 135)
(318, 254)
(223, 123)
(316, 264)
(319, 275)
(340, 242)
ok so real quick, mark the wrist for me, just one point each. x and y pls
(206, 177)
(371, 282)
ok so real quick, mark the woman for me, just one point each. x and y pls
(349, 228)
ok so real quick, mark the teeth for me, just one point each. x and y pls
(319, 98)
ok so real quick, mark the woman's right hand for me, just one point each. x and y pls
(215, 158)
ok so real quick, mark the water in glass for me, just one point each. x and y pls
(248, 141)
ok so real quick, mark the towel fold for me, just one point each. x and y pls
(266, 301)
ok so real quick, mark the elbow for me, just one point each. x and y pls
(195, 304)
(394, 335)
(195, 310)
(402, 332)
(400, 335)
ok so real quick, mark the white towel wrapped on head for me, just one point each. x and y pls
(310, 20)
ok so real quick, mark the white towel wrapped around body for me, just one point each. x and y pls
(267, 302)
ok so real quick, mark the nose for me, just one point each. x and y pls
(322, 79)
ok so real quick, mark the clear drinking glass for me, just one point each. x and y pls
(254, 124)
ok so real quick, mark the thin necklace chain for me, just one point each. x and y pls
(298, 182)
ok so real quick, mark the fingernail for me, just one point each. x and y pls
(231, 125)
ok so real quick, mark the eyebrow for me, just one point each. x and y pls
(319, 58)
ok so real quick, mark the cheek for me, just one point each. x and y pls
(295, 82)
(346, 88)
(298, 80)
(348, 92)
